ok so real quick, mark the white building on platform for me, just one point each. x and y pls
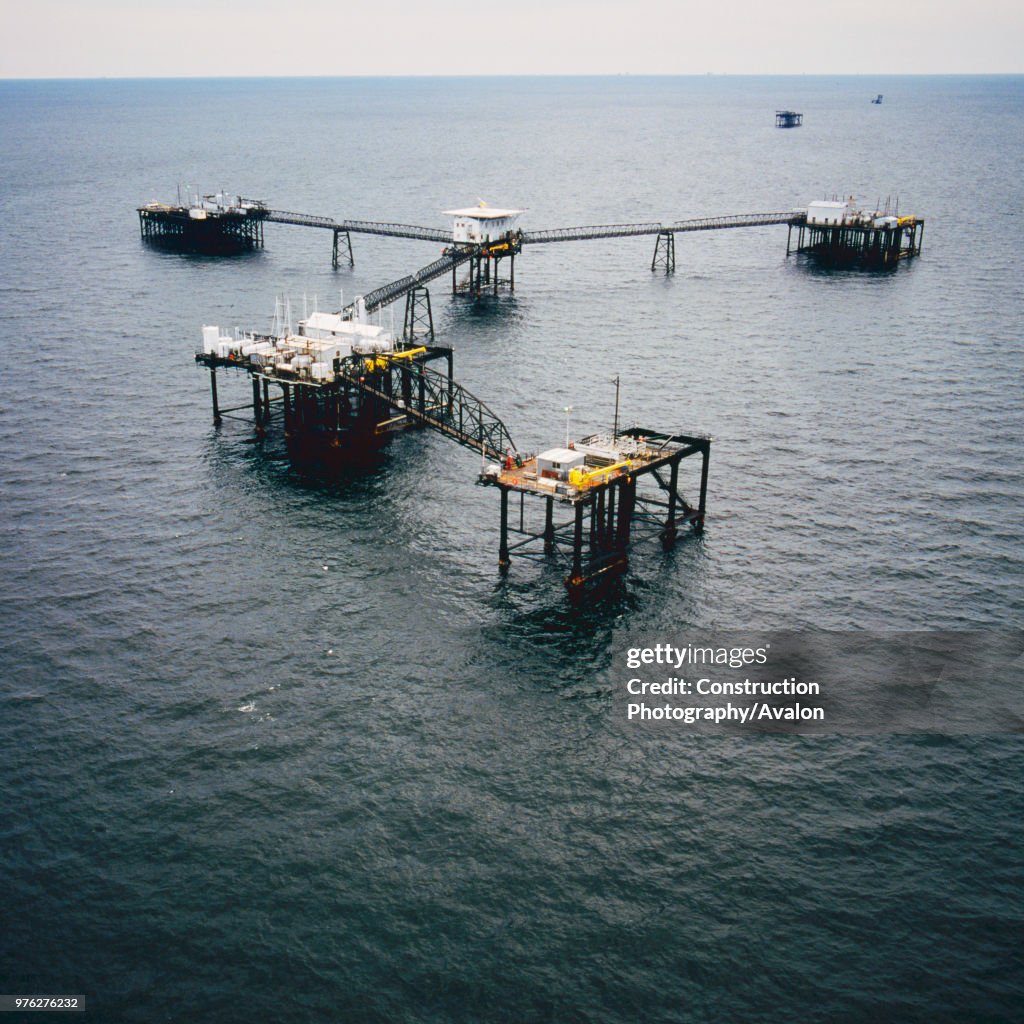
(482, 224)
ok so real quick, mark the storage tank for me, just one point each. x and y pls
(211, 339)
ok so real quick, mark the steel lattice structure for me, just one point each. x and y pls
(433, 399)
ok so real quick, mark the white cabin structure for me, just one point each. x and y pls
(825, 212)
(555, 463)
(482, 224)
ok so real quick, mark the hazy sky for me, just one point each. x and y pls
(91, 38)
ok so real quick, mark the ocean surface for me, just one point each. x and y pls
(281, 749)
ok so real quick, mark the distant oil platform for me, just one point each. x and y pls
(217, 224)
(838, 233)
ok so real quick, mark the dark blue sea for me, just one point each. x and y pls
(281, 749)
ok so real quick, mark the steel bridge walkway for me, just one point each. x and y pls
(395, 290)
(457, 255)
(572, 234)
(364, 227)
(434, 400)
(389, 293)
(585, 232)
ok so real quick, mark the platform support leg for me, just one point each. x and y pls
(627, 500)
(668, 534)
(419, 318)
(342, 251)
(549, 526)
(406, 375)
(213, 395)
(608, 541)
(698, 523)
(257, 407)
(503, 557)
(664, 252)
(575, 580)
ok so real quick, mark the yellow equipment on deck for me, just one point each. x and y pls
(583, 478)
(380, 362)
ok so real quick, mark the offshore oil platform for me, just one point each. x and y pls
(482, 237)
(339, 389)
(217, 224)
(837, 233)
(340, 386)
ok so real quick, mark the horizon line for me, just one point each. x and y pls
(517, 74)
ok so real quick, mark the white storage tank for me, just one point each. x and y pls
(369, 338)
(211, 339)
(257, 347)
